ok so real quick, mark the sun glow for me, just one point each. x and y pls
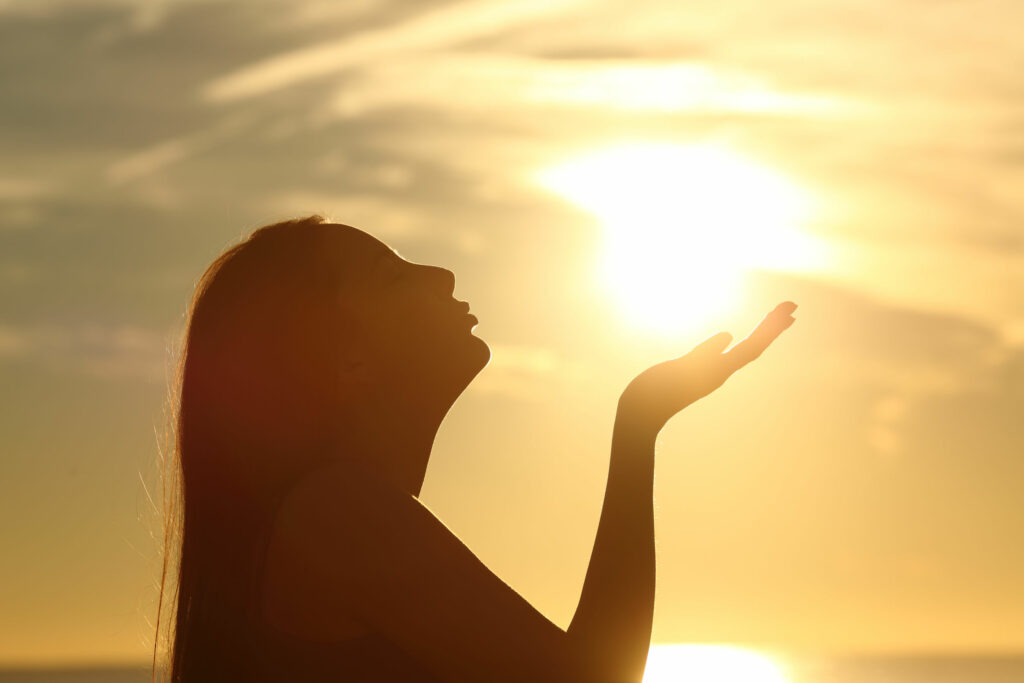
(683, 223)
(710, 664)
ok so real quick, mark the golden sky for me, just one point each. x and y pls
(858, 489)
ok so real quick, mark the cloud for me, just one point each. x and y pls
(13, 342)
(20, 201)
(393, 218)
(432, 30)
(390, 219)
(14, 189)
(970, 437)
(149, 12)
(310, 13)
(508, 85)
(154, 158)
(899, 362)
(104, 351)
(933, 274)
(163, 154)
(530, 373)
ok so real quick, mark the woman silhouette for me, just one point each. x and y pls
(317, 368)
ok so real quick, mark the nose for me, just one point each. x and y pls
(442, 278)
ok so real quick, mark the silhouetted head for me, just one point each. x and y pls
(306, 320)
(300, 335)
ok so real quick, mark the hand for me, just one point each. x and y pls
(661, 391)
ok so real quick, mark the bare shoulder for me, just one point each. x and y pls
(341, 520)
(360, 531)
(375, 555)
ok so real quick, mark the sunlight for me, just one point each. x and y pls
(683, 223)
(710, 664)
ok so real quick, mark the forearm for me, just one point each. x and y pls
(610, 633)
(612, 625)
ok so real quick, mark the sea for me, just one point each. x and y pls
(1009, 669)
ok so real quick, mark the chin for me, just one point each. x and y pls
(479, 353)
(473, 357)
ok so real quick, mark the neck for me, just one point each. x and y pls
(394, 442)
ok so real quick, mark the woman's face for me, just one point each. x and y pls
(409, 325)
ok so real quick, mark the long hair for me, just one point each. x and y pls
(257, 404)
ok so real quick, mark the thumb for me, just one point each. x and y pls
(713, 345)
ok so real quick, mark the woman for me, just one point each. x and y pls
(317, 369)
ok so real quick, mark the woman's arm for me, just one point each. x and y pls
(613, 620)
(612, 624)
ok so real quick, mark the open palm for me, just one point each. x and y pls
(662, 390)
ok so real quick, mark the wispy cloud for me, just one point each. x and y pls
(20, 200)
(109, 352)
(389, 219)
(509, 85)
(530, 373)
(173, 151)
(148, 12)
(432, 30)
(16, 188)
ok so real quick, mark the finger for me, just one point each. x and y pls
(769, 329)
(785, 308)
(713, 345)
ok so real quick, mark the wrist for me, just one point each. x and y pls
(634, 423)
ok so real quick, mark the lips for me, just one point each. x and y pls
(464, 310)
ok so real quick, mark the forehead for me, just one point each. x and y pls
(359, 245)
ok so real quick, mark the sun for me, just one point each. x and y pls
(711, 664)
(684, 223)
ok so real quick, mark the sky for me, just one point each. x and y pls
(611, 183)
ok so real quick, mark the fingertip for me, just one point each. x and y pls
(786, 307)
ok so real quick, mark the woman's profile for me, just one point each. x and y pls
(317, 368)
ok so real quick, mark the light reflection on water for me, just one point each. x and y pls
(679, 663)
(712, 664)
